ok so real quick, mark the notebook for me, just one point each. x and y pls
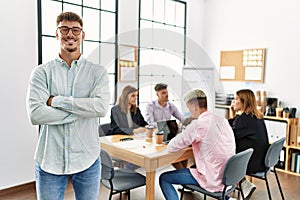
(170, 129)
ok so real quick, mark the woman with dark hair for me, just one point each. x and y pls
(126, 117)
(250, 132)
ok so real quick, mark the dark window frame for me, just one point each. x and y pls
(162, 23)
(41, 35)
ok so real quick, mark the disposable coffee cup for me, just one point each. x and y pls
(285, 114)
(279, 112)
(159, 137)
(149, 131)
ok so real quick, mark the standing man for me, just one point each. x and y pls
(66, 96)
(161, 109)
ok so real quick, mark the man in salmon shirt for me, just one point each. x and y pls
(213, 143)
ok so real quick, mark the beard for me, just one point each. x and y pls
(71, 46)
(70, 50)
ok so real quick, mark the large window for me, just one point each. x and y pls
(162, 37)
(100, 25)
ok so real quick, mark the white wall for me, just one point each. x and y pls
(128, 30)
(18, 52)
(270, 24)
(230, 24)
(18, 57)
(195, 20)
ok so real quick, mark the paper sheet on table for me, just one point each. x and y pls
(132, 144)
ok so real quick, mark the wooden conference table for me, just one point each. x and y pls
(145, 153)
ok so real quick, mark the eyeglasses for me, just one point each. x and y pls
(65, 30)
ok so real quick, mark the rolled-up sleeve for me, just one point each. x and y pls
(149, 113)
(37, 96)
(184, 139)
(88, 107)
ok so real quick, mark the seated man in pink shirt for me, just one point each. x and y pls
(213, 143)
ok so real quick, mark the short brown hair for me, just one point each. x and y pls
(69, 16)
(160, 86)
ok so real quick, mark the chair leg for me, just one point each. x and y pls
(278, 183)
(223, 196)
(268, 188)
(120, 195)
(128, 193)
(181, 196)
(224, 193)
(204, 196)
(110, 194)
(241, 190)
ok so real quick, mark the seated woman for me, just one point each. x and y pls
(126, 117)
(213, 144)
(250, 132)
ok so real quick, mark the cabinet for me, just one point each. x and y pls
(288, 149)
(277, 128)
(293, 150)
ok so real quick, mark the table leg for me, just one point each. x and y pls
(150, 184)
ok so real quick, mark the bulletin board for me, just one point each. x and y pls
(246, 65)
(127, 63)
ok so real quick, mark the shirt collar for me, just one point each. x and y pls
(205, 113)
(77, 62)
(158, 105)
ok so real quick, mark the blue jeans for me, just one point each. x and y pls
(86, 184)
(180, 176)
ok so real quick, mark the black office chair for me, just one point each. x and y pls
(271, 159)
(103, 129)
(118, 181)
(234, 171)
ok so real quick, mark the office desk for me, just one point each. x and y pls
(145, 154)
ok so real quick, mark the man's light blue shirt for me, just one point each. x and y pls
(69, 140)
(155, 112)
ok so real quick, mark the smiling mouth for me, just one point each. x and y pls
(70, 41)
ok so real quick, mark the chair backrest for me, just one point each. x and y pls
(236, 167)
(103, 129)
(107, 168)
(273, 153)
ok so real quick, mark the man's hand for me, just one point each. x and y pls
(49, 101)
